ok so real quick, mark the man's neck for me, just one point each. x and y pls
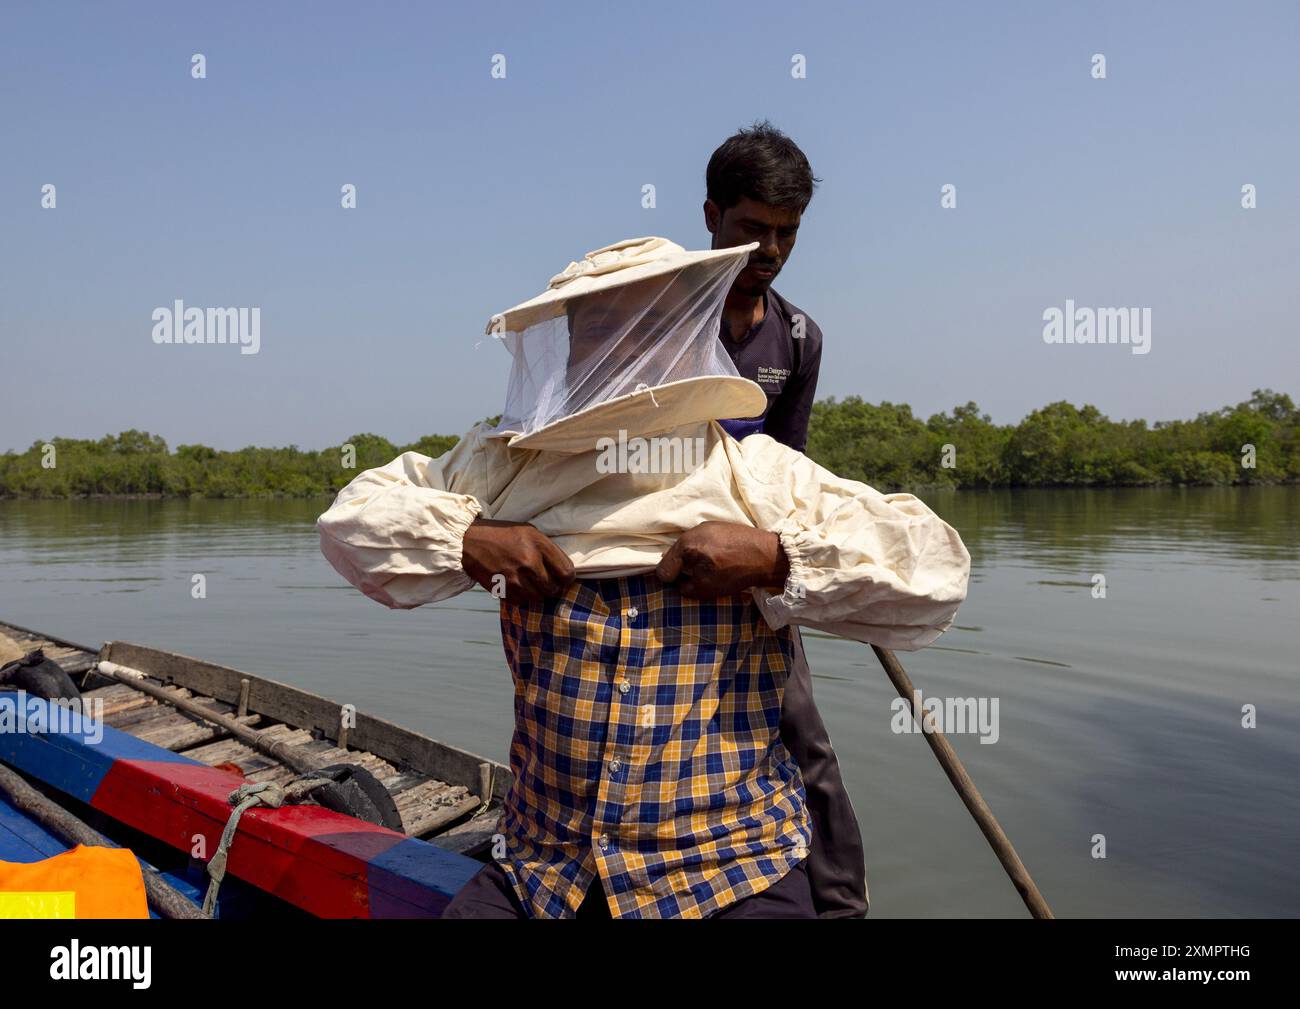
(742, 312)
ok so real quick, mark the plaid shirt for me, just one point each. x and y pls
(646, 751)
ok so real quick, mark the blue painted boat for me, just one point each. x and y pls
(167, 740)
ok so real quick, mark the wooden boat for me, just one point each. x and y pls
(159, 781)
(182, 734)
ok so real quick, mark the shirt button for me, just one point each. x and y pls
(624, 686)
(615, 766)
(603, 842)
(632, 613)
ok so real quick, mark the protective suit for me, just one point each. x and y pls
(608, 445)
(646, 754)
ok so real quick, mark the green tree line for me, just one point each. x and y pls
(1059, 445)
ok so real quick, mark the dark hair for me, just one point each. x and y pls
(763, 164)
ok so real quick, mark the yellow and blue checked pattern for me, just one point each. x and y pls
(647, 750)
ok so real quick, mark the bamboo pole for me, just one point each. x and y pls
(289, 754)
(162, 896)
(970, 795)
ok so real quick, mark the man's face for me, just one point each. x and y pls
(610, 329)
(748, 221)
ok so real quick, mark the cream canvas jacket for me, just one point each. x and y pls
(879, 568)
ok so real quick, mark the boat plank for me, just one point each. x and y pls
(322, 749)
(232, 751)
(127, 716)
(285, 703)
(224, 751)
(119, 699)
(471, 837)
(179, 731)
(167, 727)
(432, 805)
(292, 734)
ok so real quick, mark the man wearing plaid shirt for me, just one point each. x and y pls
(645, 612)
(649, 770)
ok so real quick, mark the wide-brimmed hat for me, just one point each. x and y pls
(624, 262)
(678, 375)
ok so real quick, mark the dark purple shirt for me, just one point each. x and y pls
(785, 367)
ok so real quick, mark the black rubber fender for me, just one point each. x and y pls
(356, 792)
(40, 677)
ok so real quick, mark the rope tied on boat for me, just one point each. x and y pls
(262, 793)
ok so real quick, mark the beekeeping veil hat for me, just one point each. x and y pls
(625, 340)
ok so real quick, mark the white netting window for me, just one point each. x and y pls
(610, 343)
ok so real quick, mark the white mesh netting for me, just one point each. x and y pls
(610, 343)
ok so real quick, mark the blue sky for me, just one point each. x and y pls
(473, 191)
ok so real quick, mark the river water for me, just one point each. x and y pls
(1119, 717)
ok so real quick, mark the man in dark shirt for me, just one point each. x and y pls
(785, 365)
(759, 184)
